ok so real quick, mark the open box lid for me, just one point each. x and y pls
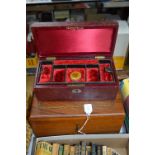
(69, 39)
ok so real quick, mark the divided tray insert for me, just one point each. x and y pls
(83, 72)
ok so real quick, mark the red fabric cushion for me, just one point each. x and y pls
(105, 76)
(70, 70)
(46, 71)
(59, 75)
(92, 74)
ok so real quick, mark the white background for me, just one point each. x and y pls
(13, 77)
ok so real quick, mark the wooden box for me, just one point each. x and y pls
(67, 117)
(75, 61)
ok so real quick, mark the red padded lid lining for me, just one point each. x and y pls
(89, 41)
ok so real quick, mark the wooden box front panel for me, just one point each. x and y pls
(76, 93)
(58, 118)
(65, 126)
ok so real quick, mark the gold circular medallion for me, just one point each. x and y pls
(75, 75)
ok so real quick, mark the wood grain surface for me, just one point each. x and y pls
(58, 118)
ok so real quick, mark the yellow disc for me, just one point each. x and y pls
(75, 75)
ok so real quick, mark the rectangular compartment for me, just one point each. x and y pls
(45, 72)
(92, 73)
(75, 73)
(106, 72)
(59, 73)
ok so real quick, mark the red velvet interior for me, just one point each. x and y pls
(86, 61)
(66, 42)
(59, 75)
(46, 72)
(92, 74)
(70, 70)
(105, 76)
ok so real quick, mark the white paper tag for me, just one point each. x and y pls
(88, 108)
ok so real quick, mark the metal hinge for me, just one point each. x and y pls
(51, 58)
(100, 57)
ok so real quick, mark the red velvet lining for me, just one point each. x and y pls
(46, 71)
(64, 42)
(59, 75)
(65, 62)
(92, 74)
(70, 70)
(105, 76)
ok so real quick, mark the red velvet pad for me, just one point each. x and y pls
(70, 70)
(59, 75)
(92, 74)
(46, 71)
(65, 62)
(105, 76)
